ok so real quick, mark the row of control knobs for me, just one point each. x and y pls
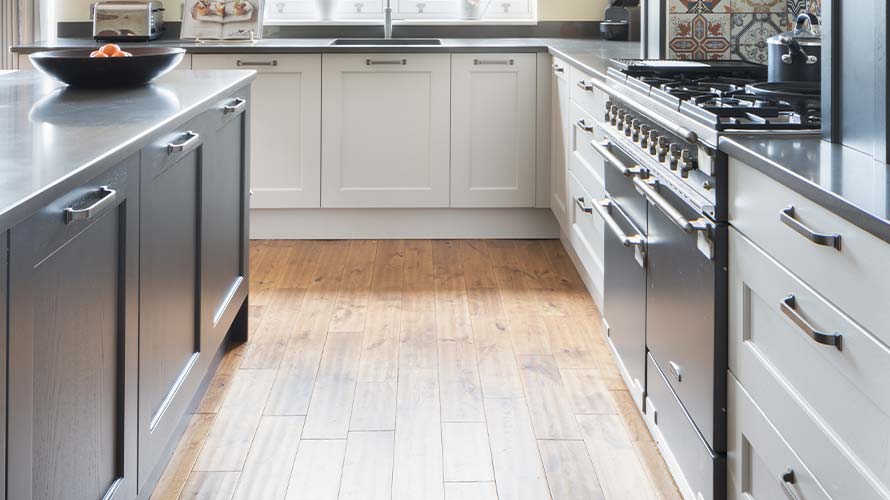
(677, 156)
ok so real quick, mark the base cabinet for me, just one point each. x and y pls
(385, 130)
(559, 142)
(73, 334)
(493, 130)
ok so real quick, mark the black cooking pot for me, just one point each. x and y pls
(796, 56)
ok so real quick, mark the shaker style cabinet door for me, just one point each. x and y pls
(559, 142)
(493, 130)
(285, 152)
(385, 130)
(73, 335)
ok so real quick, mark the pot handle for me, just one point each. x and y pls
(795, 48)
(808, 18)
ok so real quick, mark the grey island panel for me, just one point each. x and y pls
(53, 138)
(848, 183)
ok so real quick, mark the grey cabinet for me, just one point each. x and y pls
(169, 299)
(73, 271)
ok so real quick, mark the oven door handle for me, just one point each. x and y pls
(647, 188)
(603, 208)
(604, 149)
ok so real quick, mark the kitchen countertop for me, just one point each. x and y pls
(844, 181)
(591, 55)
(53, 138)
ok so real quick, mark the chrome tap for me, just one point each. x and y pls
(387, 20)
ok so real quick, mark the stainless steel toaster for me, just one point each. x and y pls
(128, 20)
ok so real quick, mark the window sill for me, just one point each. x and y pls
(403, 22)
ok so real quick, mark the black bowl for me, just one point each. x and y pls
(76, 68)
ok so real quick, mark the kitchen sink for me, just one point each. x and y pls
(387, 41)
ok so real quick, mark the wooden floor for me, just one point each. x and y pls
(417, 370)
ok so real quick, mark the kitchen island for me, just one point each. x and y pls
(123, 217)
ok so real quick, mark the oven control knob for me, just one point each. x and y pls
(644, 136)
(613, 114)
(662, 148)
(653, 141)
(675, 156)
(608, 115)
(635, 129)
(628, 125)
(621, 115)
(686, 164)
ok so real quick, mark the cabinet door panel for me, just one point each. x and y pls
(385, 132)
(286, 123)
(72, 334)
(493, 130)
(559, 142)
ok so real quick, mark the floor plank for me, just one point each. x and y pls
(418, 438)
(419, 338)
(331, 405)
(570, 472)
(419, 286)
(352, 302)
(549, 406)
(614, 458)
(222, 380)
(466, 452)
(176, 474)
(461, 394)
(269, 463)
(587, 392)
(529, 335)
(518, 470)
(471, 491)
(317, 470)
(374, 408)
(368, 466)
(572, 342)
(498, 371)
(269, 341)
(210, 486)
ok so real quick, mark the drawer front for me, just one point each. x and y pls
(761, 465)
(700, 471)
(585, 94)
(853, 277)
(820, 397)
(261, 63)
(584, 161)
(587, 233)
(561, 69)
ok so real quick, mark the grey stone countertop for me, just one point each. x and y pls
(844, 181)
(591, 55)
(53, 138)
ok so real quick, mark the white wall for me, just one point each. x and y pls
(548, 10)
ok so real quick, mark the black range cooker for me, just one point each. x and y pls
(666, 253)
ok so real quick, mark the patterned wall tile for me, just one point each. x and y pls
(749, 32)
(762, 6)
(796, 7)
(698, 6)
(699, 36)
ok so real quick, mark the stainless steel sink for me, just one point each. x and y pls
(387, 41)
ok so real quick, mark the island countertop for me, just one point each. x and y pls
(52, 137)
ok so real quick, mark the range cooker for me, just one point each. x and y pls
(665, 303)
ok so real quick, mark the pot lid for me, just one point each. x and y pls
(807, 31)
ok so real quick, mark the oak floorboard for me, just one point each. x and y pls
(498, 370)
(176, 473)
(419, 291)
(317, 470)
(269, 272)
(368, 466)
(471, 491)
(210, 486)
(548, 403)
(614, 458)
(459, 387)
(518, 470)
(417, 469)
(352, 302)
(570, 472)
(330, 407)
(271, 337)
(374, 408)
(572, 343)
(419, 339)
(270, 460)
(466, 452)
(587, 392)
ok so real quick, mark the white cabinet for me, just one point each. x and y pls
(386, 130)
(285, 123)
(559, 141)
(493, 130)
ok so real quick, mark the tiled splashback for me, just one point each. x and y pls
(730, 29)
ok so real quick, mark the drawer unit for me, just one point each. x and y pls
(584, 94)
(819, 395)
(584, 160)
(587, 231)
(852, 275)
(699, 473)
(761, 465)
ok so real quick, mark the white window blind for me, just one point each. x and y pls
(305, 10)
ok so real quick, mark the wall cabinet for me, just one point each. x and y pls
(286, 126)
(493, 130)
(73, 338)
(386, 132)
(559, 142)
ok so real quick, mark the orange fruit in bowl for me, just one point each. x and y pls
(110, 49)
(98, 53)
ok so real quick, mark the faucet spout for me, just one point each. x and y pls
(387, 20)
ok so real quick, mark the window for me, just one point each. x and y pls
(357, 10)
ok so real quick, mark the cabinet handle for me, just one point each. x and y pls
(789, 308)
(603, 148)
(558, 69)
(647, 188)
(584, 208)
(107, 198)
(484, 62)
(788, 479)
(587, 87)
(825, 240)
(192, 141)
(603, 208)
(386, 62)
(271, 63)
(237, 107)
(675, 370)
(584, 126)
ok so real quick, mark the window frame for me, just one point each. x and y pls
(375, 17)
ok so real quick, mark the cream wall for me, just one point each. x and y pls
(548, 10)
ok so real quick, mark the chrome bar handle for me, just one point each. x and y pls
(107, 199)
(584, 208)
(386, 62)
(603, 148)
(237, 107)
(271, 63)
(503, 62)
(586, 87)
(788, 478)
(558, 69)
(192, 141)
(825, 240)
(789, 308)
(647, 188)
(582, 124)
(603, 208)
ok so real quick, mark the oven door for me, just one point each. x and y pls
(685, 251)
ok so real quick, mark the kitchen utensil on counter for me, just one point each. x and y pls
(77, 69)
(796, 56)
(622, 20)
(128, 20)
